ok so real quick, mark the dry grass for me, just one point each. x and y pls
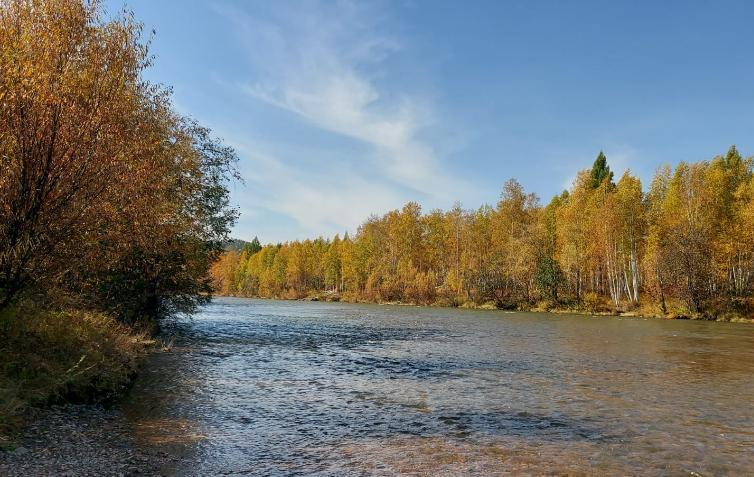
(61, 356)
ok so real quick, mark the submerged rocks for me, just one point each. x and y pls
(21, 451)
(79, 441)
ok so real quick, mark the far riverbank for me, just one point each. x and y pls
(593, 309)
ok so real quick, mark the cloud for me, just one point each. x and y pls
(320, 203)
(323, 64)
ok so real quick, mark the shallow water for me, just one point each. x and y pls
(272, 387)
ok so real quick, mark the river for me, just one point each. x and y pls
(281, 387)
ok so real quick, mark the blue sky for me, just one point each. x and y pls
(343, 109)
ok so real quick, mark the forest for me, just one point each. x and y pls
(112, 205)
(683, 247)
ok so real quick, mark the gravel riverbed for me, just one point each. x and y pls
(77, 441)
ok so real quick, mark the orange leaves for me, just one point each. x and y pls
(96, 165)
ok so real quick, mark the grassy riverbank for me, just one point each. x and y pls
(112, 204)
(61, 356)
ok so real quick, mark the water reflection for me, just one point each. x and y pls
(266, 387)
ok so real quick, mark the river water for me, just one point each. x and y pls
(296, 388)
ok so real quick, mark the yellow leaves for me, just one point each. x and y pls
(613, 240)
(107, 166)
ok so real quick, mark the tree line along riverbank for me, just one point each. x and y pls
(112, 205)
(683, 247)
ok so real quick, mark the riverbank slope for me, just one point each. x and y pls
(67, 356)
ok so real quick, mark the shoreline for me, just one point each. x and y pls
(80, 440)
(492, 307)
(89, 359)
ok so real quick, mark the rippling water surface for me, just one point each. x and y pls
(271, 387)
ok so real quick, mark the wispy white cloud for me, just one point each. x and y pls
(320, 202)
(323, 64)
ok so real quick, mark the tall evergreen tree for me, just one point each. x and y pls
(601, 171)
(253, 247)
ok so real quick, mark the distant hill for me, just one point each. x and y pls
(235, 245)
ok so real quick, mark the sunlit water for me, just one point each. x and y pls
(271, 387)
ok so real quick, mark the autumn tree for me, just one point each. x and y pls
(333, 265)
(574, 238)
(730, 176)
(70, 119)
(688, 220)
(548, 275)
(106, 194)
(515, 242)
(656, 259)
(631, 233)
